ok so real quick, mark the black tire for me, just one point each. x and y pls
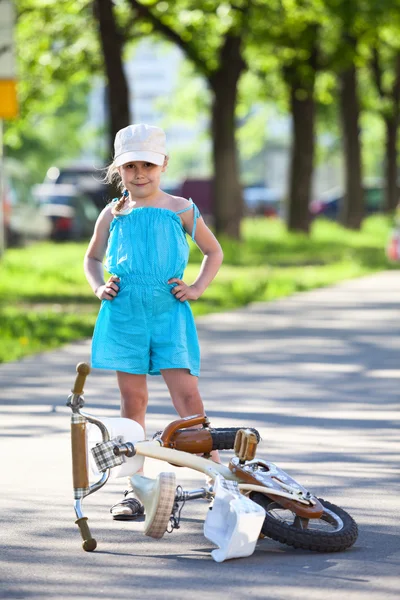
(224, 438)
(336, 530)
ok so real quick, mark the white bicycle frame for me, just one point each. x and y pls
(231, 504)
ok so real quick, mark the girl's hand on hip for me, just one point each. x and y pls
(108, 290)
(184, 292)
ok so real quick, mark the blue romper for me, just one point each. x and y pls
(145, 328)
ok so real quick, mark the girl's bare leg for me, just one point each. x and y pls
(183, 388)
(134, 398)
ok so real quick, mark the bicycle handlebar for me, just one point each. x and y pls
(83, 370)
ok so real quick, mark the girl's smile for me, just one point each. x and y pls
(140, 177)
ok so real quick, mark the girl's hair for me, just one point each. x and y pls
(112, 177)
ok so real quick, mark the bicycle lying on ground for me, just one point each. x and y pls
(250, 498)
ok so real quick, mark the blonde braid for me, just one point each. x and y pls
(117, 206)
(113, 177)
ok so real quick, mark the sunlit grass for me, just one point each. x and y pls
(25, 331)
(45, 300)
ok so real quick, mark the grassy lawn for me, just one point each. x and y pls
(45, 300)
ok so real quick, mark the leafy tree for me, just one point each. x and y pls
(61, 46)
(368, 32)
(351, 23)
(300, 76)
(112, 41)
(291, 42)
(384, 61)
(212, 35)
(352, 208)
(56, 54)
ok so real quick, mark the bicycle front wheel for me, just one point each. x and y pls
(334, 531)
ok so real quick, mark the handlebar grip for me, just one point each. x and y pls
(80, 474)
(83, 370)
(89, 544)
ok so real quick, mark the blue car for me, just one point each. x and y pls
(329, 205)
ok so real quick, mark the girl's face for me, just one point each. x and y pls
(141, 179)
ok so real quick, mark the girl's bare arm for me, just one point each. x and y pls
(93, 261)
(212, 260)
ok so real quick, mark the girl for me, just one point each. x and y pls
(145, 324)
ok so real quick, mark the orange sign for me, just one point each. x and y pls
(8, 99)
(8, 92)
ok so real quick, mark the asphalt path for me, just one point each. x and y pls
(317, 373)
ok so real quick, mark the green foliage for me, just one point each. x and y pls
(190, 104)
(266, 242)
(271, 263)
(25, 331)
(51, 136)
(57, 44)
(57, 54)
(201, 26)
(45, 273)
(45, 300)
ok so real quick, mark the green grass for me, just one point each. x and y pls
(25, 331)
(45, 300)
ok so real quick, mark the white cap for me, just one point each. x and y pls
(140, 142)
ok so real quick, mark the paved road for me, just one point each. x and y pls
(318, 374)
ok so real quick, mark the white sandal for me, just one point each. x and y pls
(128, 509)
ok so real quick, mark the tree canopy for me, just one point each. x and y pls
(288, 53)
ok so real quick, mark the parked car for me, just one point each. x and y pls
(263, 201)
(72, 214)
(87, 178)
(258, 199)
(329, 203)
(23, 219)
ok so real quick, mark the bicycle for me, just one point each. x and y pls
(250, 498)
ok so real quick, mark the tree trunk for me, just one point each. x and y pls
(302, 157)
(391, 187)
(228, 197)
(117, 87)
(352, 209)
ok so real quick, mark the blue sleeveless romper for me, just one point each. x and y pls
(145, 328)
